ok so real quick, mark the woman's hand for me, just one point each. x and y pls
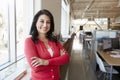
(62, 52)
(38, 61)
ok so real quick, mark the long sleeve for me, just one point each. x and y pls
(31, 51)
(61, 60)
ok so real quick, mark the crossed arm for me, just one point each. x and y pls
(34, 60)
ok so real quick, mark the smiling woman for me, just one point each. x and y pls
(43, 51)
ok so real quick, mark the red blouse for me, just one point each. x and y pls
(51, 71)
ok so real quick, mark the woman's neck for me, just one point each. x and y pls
(43, 38)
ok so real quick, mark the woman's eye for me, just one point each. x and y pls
(48, 22)
(42, 21)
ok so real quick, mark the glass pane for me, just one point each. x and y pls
(4, 55)
(19, 27)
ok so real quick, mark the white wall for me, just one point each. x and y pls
(54, 6)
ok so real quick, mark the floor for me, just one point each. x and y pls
(80, 67)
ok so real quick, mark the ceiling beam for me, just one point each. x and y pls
(101, 15)
(87, 7)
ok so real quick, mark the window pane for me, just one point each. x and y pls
(4, 55)
(19, 27)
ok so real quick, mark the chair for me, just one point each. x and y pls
(105, 68)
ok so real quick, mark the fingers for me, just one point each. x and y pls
(36, 61)
(62, 52)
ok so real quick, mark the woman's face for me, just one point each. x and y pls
(43, 24)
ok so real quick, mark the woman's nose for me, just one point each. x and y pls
(45, 24)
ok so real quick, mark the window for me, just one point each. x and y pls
(20, 28)
(64, 20)
(4, 43)
(15, 20)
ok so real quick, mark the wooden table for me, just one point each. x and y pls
(110, 60)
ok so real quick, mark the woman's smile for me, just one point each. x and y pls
(43, 24)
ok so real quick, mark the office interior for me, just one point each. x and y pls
(84, 27)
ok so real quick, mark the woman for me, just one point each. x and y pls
(43, 51)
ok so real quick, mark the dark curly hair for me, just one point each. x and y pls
(34, 31)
